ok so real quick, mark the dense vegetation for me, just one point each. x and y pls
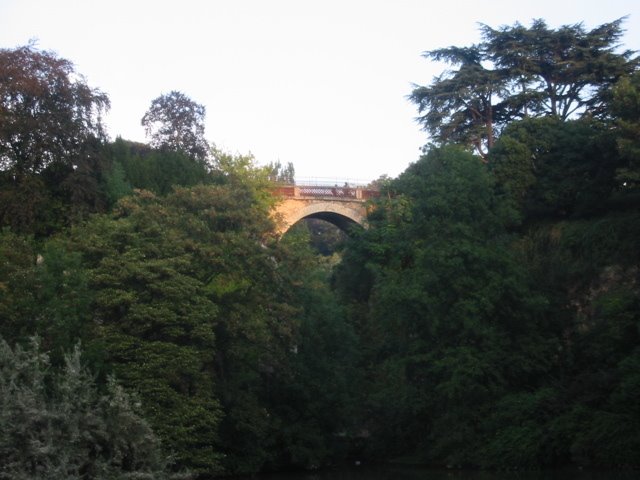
(488, 317)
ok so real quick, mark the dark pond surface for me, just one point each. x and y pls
(416, 473)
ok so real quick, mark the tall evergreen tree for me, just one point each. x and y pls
(518, 72)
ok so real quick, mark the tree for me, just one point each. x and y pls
(55, 424)
(190, 309)
(316, 401)
(558, 72)
(462, 106)
(282, 174)
(175, 122)
(517, 72)
(556, 168)
(445, 310)
(625, 107)
(48, 112)
(50, 139)
(44, 291)
(152, 320)
(159, 171)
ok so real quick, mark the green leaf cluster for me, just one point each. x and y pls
(56, 424)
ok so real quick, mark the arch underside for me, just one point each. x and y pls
(345, 217)
(343, 222)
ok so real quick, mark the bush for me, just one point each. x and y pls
(58, 425)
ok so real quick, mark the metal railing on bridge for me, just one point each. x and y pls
(332, 181)
(327, 192)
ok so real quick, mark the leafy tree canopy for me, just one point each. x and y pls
(556, 168)
(47, 111)
(51, 134)
(175, 122)
(517, 72)
(626, 110)
(558, 72)
(282, 173)
(461, 106)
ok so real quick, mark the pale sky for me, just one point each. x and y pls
(321, 84)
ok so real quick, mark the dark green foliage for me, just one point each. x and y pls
(45, 290)
(518, 430)
(152, 317)
(452, 322)
(17, 272)
(317, 405)
(116, 183)
(461, 106)
(324, 237)
(196, 313)
(516, 73)
(493, 349)
(625, 107)
(51, 137)
(48, 113)
(555, 168)
(219, 331)
(136, 166)
(558, 72)
(588, 270)
(57, 425)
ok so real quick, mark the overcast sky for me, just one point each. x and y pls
(321, 84)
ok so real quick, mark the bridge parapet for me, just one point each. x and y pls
(326, 192)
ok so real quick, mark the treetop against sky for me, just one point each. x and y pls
(321, 84)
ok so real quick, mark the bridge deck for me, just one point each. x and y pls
(323, 191)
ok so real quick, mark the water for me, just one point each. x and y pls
(418, 473)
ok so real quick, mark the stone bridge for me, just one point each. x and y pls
(342, 206)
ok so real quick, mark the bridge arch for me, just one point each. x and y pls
(342, 216)
(343, 207)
